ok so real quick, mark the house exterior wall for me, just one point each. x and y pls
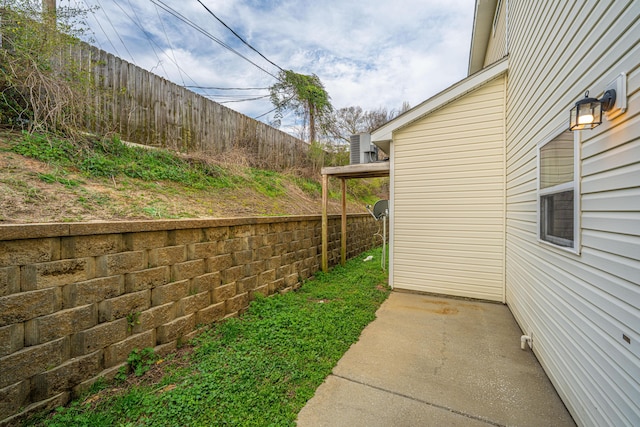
(448, 198)
(497, 46)
(583, 308)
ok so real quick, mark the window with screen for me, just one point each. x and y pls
(556, 191)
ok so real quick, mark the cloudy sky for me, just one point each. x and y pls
(369, 53)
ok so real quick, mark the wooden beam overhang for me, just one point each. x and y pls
(365, 170)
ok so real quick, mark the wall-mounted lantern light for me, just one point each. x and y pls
(587, 113)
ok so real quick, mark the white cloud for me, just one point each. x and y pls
(367, 53)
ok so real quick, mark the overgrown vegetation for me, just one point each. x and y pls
(306, 96)
(48, 88)
(43, 84)
(112, 158)
(326, 154)
(122, 180)
(259, 369)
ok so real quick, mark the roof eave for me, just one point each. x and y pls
(482, 26)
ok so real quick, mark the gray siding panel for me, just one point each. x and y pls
(579, 307)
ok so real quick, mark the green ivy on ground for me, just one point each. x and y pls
(259, 369)
(113, 158)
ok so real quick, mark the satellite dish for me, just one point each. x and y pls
(380, 209)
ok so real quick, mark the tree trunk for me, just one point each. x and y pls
(312, 124)
(49, 11)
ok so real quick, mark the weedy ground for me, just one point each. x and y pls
(256, 370)
(48, 179)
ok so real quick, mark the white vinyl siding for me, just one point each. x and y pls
(448, 196)
(578, 307)
(497, 47)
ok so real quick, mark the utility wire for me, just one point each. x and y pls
(272, 110)
(102, 28)
(173, 53)
(94, 37)
(114, 29)
(160, 4)
(243, 100)
(240, 38)
(226, 88)
(152, 43)
(239, 95)
(139, 25)
(264, 114)
(187, 21)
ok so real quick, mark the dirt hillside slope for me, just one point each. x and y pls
(32, 191)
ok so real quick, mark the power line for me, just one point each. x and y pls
(94, 37)
(137, 23)
(117, 34)
(241, 100)
(159, 4)
(187, 21)
(239, 95)
(264, 114)
(240, 38)
(272, 110)
(152, 42)
(173, 53)
(226, 88)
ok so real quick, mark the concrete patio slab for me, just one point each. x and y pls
(429, 360)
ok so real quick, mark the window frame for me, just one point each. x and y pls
(559, 188)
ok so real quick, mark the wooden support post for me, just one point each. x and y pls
(325, 223)
(343, 236)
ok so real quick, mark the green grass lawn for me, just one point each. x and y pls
(259, 369)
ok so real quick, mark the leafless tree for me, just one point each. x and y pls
(353, 120)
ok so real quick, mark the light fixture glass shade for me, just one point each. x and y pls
(586, 114)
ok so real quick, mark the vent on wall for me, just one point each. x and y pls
(362, 151)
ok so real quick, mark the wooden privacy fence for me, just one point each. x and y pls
(147, 109)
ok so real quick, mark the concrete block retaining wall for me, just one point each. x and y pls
(76, 299)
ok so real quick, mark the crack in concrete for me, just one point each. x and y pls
(434, 405)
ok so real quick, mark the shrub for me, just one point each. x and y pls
(42, 85)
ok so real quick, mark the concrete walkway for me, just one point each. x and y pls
(430, 361)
